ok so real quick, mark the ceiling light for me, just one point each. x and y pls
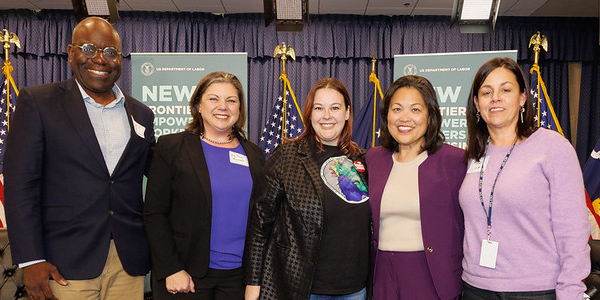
(476, 10)
(289, 15)
(108, 9)
(475, 16)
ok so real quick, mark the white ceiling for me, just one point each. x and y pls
(559, 8)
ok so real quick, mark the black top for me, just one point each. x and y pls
(343, 263)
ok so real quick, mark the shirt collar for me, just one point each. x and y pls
(119, 97)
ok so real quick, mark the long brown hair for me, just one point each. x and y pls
(196, 125)
(345, 142)
(477, 129)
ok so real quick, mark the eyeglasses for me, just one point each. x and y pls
(90, 51)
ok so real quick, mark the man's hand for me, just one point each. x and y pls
(36, 281)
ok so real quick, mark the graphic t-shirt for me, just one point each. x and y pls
(343, 263)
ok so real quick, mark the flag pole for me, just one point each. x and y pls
(538, 41)
(7, 39)
(285, 51)
(377, 87)
(373, 77)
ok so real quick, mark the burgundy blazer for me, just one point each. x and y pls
(440, 178)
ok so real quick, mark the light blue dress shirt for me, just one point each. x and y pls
(110, 125)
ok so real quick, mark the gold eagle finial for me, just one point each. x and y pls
(285, 51)
(538, 40)
(9, 38)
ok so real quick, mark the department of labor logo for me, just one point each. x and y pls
(410, 69)
(147, 69)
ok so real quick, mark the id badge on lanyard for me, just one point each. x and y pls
(489, 248)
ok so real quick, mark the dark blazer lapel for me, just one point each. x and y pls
(310, 165)
(193, 146)
(384, 168)
(313, 171)
(75, 107)
(132, 134)
(430, 176)
(254, 163)
(381, 166)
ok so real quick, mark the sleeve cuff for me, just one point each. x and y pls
(29, 263)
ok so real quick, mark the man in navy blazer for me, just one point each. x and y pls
(75, 157)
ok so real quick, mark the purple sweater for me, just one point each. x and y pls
(539, 219)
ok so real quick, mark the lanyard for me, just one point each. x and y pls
(488, 213)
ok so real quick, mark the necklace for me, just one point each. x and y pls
(202, 136)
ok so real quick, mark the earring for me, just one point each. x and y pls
(478, 115)
(522, 111)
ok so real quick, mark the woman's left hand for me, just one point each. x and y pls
(180, 282)
(252, 292)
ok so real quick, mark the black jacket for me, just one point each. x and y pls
(286, 224)
(62, 203)
(178, 207)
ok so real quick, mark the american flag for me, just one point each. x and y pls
(272, 134)
(545, 116)
(5, 113)
(591, 180)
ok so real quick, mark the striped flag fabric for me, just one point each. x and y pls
(591, 180)
(8, 99)
(545, 115)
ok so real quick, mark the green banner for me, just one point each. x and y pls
(451, 75)
(165, 82)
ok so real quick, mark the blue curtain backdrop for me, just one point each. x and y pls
(588, 124)
(330, 46)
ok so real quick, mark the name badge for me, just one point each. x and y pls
(489, 254)
(238, 159)
(476, 165)
(138, 128)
